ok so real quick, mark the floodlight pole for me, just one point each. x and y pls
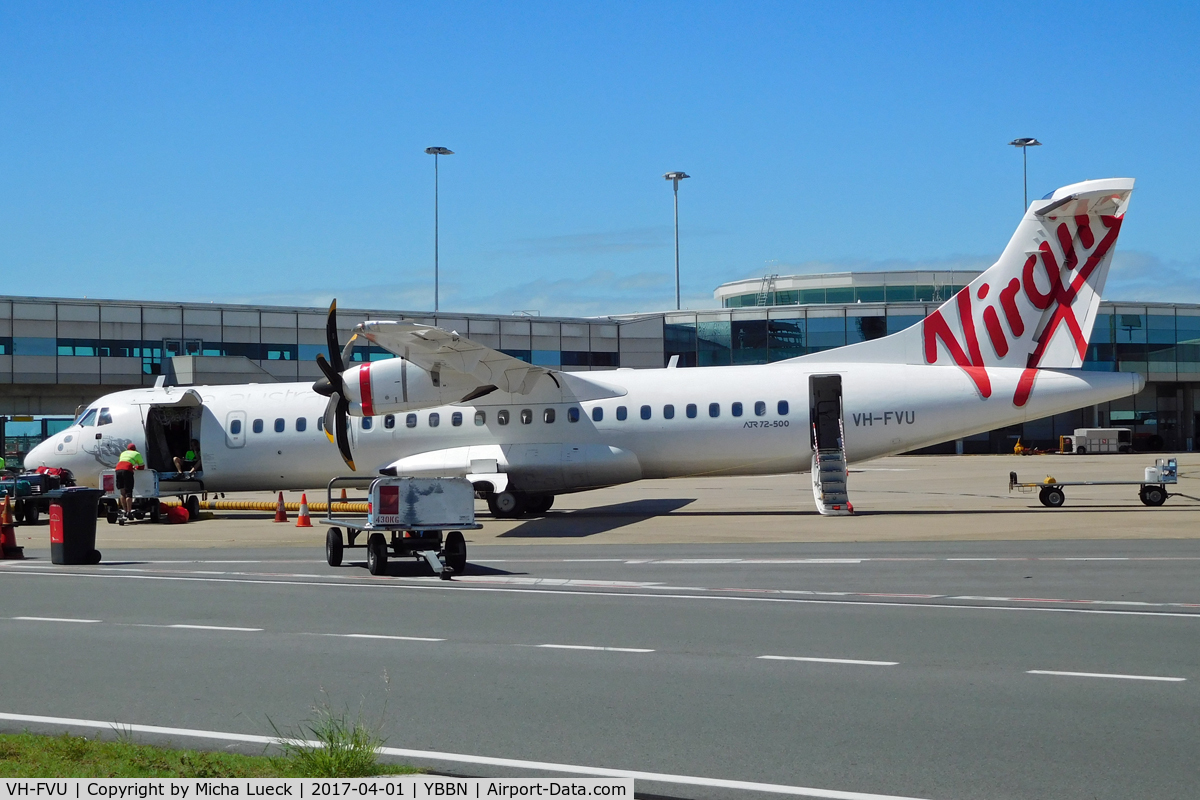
(676, 177)
(1025, 143)
(435, 152)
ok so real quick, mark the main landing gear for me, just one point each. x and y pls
(509, 504)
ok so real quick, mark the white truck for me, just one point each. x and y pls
(1098, 440)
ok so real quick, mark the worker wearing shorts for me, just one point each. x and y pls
(130, 460)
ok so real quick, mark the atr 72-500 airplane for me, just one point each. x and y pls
(1006, 349)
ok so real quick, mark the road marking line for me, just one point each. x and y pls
(436, 585)
(592, 647)
(832, 660)
(54, 619)
(1104, 675)
(382, 636)
(215, 628)
(461, 758)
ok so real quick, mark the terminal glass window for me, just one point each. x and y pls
(105, 417)
(782, 408)
(713, 340)
(691, 410)
(622, 412)
(257, 427)
(389, 421)
(410, 421)
(597, 414)
(456, 419)
(435, 419)
(526, 416)
(736, 409)
(480, 417)
(748, 340)
(825, 333)
(301, 424)
(502, 416)
(668, 412)
(280, 424)
(572, 414)
(760, 408)
(548, 415)
(785, 339)
(645, 411)
(714, 409)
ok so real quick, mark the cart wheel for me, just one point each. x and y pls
(155, 512)
(456, 552)
(31, 513)
(192, 504)
(1153, 495)
(111, 516)
(18, 511)
(333, 547)
(377, 554)
(1052, 497)
(94, 557)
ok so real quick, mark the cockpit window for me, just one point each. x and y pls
(105, 417)
(89, 419)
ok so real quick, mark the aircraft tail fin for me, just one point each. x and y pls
(1034, 308)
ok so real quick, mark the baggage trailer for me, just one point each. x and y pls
(33, 492)
(405, 518)
(1152, 491)
(148, 486)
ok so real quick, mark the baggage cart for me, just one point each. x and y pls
(1152, 491)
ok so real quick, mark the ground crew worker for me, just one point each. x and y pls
(130, 460)
(190, 460)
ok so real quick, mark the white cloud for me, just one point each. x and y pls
(1141, 276)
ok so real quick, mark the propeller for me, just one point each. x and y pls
(333, 386)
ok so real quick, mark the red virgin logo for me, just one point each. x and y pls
(1063, 285)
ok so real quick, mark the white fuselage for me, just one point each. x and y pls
(888, 408)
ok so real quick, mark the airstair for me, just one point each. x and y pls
(829, 468)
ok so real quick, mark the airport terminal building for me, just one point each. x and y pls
(56, 354)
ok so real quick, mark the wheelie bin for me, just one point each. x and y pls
(73, 526)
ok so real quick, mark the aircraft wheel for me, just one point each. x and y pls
(333, 547)
(1052, 497)
(539, 503)
(1081, 450)
(377, 554)
(506, 504)
(1153, 495)
(456, 552)
(192, 504)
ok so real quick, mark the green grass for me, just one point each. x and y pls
(28, 755)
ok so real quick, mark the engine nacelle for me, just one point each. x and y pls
(396, 385)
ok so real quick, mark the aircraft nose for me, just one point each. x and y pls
(38, 455)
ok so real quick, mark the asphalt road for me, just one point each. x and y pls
(931, 671)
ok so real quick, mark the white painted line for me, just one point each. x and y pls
(592, 647)
(215, 628)
(832, 660)
(460, 758)
(382, 636)
(54, 619)
(1105, 675)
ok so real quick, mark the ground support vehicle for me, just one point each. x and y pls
(148, 487)
(1152, 488)
(1097, 440)
(405, 517)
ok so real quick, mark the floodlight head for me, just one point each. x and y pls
(676, 176)
(1026, 141)
(439, 151)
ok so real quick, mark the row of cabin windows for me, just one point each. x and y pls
(691, 410)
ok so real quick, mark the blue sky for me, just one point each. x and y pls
(272, 152)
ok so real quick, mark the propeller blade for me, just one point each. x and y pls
(332, 382)
(330, 423)
(331, 339)
(342, 433)
(348, 350)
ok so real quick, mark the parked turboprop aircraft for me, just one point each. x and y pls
(1007, 348)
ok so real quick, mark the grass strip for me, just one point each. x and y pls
(30, 755)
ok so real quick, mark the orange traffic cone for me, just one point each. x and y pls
(8, 534)
(280, 511)
(303, 520)
(343, 495)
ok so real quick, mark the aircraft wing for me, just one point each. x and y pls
(437, 350)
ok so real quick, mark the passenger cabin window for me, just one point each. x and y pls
(691, 410)
(456, 419)
(502, 416)
(597, 414)
(481, 418)
(235, 427)
(622, 413)
(714, 409)
(280, 425)
(301, 424)
(572, 414)
(668, 412)
(435, 419)
(366, 423)
(257, 427)
(645, 411)
(105, 418)
(526, 416)
(89, 419)
(782, 408)
(548, 415)
(410, 421)
(760, 408)
(389, 421)
(735, 409)
(320, 423)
